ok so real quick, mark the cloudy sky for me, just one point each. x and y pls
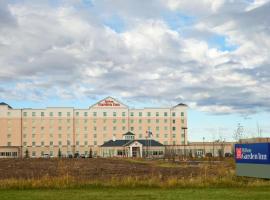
(213, 55)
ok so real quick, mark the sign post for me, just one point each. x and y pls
(253, 160)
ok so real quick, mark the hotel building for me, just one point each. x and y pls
(45, 131)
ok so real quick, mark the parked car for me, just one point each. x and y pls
(76, 155)
(70, 156)
(46, 155)
(228, 155)
(82, 156)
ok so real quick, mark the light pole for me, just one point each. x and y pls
(203, 147)
(184, 129)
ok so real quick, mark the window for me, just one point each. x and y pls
(114, 114)
(95, 142)
(173, 121)
(85, 143)
(173, 114)
(33, 153)
(166, 135)
(173, 135)
(33, 114)
(157, 128)
(140, 114)
(114, 128)
(42, 143)
(68, 142)
(182, 114)
(123, 128)
(25, 114)
(114, 121)
(140, 121)
(132, 128)
(95, 135)
(42, 114)
(132, 114)
(104, 114)
(182, 121)
(157, 120)
(51, 143)
(149, 121)
(51, 114)
(148, 114)
(157, 114)
(68, 114)
(33, 143)
(123, 121)
(104, 128)
(77, 143)
(85, 114)
(77, 114)
(94, 114)
(132, 121)
(59, 143)
(9, 144)
(165, 114)
(59, 114)
(157, 135)
(165, 128)
(165, 120)
(123, 114)
(173, 128)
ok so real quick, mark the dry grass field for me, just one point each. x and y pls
(99, 178)
(105, 169)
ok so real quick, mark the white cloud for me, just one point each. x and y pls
(68, 51)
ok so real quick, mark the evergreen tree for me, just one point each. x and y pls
(90, 153)
(26, 153)
(59, 153)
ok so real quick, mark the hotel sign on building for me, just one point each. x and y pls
(46, 130)
(110, 103)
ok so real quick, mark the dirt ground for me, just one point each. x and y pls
(101, 168)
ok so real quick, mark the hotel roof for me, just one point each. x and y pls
(5, 104)
(122, 143)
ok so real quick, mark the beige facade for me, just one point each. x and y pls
(45, 131)
(202, 149)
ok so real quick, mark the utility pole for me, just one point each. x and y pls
(259, 130)
(203, 147)
(184, 129)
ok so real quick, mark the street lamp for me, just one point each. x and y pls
(203, 147)
(184, 129)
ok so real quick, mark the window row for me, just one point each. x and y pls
(104, 114)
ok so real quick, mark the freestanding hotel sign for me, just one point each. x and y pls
(253, 160)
